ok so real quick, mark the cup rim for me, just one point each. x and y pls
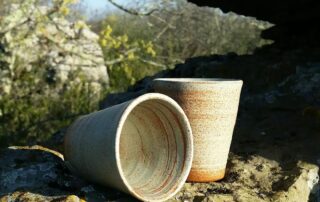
(199, 80)
(188, 142)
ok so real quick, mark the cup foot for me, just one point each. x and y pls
(206, 175)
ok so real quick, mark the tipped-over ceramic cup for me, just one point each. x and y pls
(143, 147)
(211, 106)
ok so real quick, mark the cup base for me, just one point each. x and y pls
(206, 175)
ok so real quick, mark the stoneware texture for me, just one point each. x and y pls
(143, 147)
(211, 106)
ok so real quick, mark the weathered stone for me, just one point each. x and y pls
(294, 19)
(278, 120)
(39, 174)
(302, 186)
(254, 179)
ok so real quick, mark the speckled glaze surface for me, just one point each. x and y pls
(143, 147)
(211, 106)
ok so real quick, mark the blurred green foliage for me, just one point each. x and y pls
(133, 46)
(32, 108)
(126, 58)
(176, 32)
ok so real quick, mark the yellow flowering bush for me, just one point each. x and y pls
(63, 6)
(125, 58)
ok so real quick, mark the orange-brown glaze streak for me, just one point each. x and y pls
(205, 176)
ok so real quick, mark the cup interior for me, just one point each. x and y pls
(155, 150)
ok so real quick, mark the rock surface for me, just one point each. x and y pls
(206, 30)
(275, 154)
(295, 20)
(39, 174)
(279, 114)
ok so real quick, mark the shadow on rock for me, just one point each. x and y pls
(39, 174)
(278, 119)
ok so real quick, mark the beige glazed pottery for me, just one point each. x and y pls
(142, 147)
(211, 106)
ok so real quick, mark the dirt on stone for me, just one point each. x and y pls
(39, 174)
(254, 179)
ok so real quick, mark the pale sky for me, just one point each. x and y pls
(104, 4)
(100, 4)
(96, 4)
(96, 7)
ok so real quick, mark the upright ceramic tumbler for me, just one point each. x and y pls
(142, 147)
(211, 106)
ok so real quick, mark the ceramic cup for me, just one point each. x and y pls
(211, 106)
(143, 147)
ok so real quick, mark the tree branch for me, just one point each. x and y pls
(121, 59)
(131, 11)
(153, 63)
